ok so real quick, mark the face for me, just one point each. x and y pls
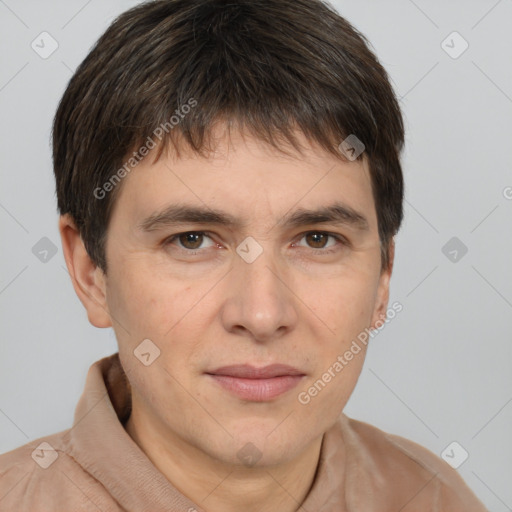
(243, 275)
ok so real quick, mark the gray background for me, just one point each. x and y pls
(440, 371)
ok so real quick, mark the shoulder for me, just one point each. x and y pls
(403, 467)
(41, 475)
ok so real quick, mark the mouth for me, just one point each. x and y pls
(257, 384)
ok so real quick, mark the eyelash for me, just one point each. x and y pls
(342, 241)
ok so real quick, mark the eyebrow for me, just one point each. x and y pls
(337, 214)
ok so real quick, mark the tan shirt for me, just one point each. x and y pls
(96, 466)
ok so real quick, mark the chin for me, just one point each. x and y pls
(265, 443)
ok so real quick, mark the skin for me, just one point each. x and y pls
(294, 304)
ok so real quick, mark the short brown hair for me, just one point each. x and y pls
(269, 66)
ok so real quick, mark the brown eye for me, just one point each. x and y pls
(191, 240)
(317, 240)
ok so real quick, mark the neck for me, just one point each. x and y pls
(219, 487)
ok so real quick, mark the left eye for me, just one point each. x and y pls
(318, 240)
(191, 240)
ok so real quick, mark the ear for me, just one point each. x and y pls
(382, 299)
(88, 279)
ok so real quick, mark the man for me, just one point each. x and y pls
(229, 184)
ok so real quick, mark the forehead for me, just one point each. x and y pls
(249, 179)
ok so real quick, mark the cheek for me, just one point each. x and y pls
(138, 294)
(325, 395)
(170, 312)
(343, 303)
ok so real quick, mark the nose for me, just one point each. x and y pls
(260, 303)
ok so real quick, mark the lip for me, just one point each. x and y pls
(246, 371)
(257, 384)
